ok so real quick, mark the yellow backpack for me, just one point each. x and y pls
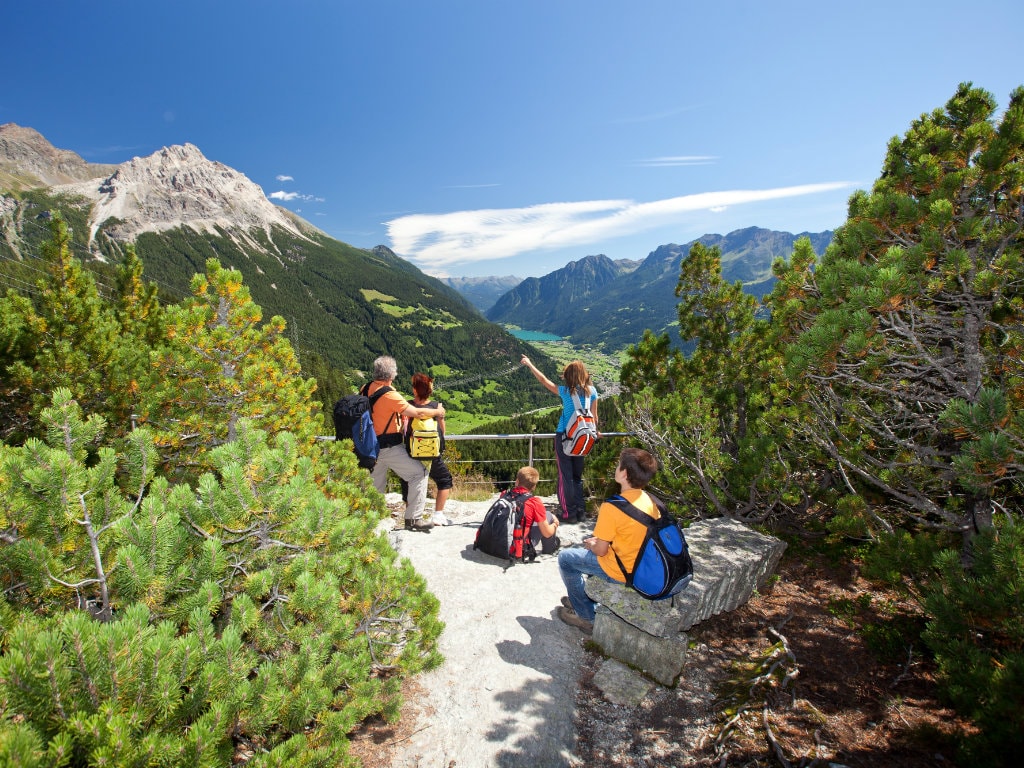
(424, 439)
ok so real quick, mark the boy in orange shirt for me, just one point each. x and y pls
(614, 534)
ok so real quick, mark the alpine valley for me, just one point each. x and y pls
(343, 305)
(609, 303)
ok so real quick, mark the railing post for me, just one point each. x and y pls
(531, 450)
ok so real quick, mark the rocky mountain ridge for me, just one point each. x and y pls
(598, 301)
(175, 186)
(539, 301)
(28, 160)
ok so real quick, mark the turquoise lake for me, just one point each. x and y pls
(534, 336)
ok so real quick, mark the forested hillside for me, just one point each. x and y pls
(344, 306)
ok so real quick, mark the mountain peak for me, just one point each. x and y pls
(178, 186)
(28, 160)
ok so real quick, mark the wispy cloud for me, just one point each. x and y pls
(281, 177)
(437, 241)
(677, 160)
(289, 196)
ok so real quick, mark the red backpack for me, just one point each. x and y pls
(581, 431)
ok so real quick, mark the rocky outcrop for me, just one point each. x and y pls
(730, 561)
(175, 187)
(28, 160)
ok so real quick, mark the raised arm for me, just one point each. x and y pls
(412, 412)
(548, 384)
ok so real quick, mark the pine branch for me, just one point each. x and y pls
(104, 613)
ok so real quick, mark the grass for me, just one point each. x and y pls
(472, 487)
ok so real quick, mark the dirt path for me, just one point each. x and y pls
(505, 694)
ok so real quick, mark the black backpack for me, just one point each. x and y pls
(502, 533)
(353, 421)
(663, 567)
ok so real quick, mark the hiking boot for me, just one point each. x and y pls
(408, 525)
(421, 525)
(567, 603)
(569, 616)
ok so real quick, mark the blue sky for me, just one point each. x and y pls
(509, 137)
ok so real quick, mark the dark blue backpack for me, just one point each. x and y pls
(353, 419)
(502, 533)
(663, 567)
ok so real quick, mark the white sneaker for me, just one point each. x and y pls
(439, 518)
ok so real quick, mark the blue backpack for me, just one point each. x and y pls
(663, 567)
(353, 419)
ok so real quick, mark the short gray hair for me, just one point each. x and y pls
(384, 368)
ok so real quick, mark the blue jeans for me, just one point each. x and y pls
(574, 563)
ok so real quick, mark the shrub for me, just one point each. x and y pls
(977, 634)
(146, 623)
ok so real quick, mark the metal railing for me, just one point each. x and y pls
(524, 436)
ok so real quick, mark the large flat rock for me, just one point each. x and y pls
(730, 561)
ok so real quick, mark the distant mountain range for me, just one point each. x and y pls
(343, 304)
(482, 292)
(598, 301)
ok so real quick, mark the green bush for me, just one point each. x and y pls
(977, 634)
(149, 624)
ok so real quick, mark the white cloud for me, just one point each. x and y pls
(678, 160)
(288, 196)
(281, 177)
(438, 241)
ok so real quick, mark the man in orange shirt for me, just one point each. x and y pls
(388, 412)
(615, 533)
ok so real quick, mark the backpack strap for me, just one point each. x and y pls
(577, 403)
(519, 499)
(635, 512)
(377, 395)
(632, 511)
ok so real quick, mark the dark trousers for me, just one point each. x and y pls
(570, 483)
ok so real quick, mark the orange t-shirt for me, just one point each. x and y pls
(386, 418)
(624, 534)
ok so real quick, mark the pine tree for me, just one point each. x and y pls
(910, 333)
(65, 335)
(718, 418)
(147, 623)
(220, 365)
(977, 635)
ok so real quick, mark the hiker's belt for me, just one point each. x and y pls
(389, 440)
